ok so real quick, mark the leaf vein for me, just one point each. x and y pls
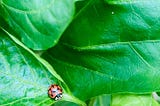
(85, 68)
(29, 11)
(140, 56)
(22, 80)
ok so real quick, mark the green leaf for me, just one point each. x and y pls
(121, 67)
(99, 42)
(102, 100)
(64, 103)
(2, 22)
(133, 100)
(80, 4)
(25, 77)
(38, 23)
(110, 48)
(23, 80)
(114, 21)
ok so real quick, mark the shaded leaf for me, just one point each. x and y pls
(80, 4)
(38, 23)
(100, 22)
(111, 68)
(102, 100)
(110, 48)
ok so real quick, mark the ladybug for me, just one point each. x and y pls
(55, 92)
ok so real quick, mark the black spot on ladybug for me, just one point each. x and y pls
(55, 92)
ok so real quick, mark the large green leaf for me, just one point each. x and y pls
(133, 100)
(38, 23)
(25, 77)
(110, 48)
(126, 67)
(23, 80)
(115, 21)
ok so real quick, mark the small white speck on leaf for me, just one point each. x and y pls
(112, 12)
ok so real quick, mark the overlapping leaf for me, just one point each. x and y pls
(38, 23)
(23, 80)
(102, 100)
(110, 48)
(100, 22)
(128, 67)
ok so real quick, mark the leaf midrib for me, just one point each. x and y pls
(41, 60)
(99, 46)
(130, 44)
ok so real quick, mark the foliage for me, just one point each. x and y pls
(88, 47)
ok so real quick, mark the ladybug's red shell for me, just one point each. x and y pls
(55, 92)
